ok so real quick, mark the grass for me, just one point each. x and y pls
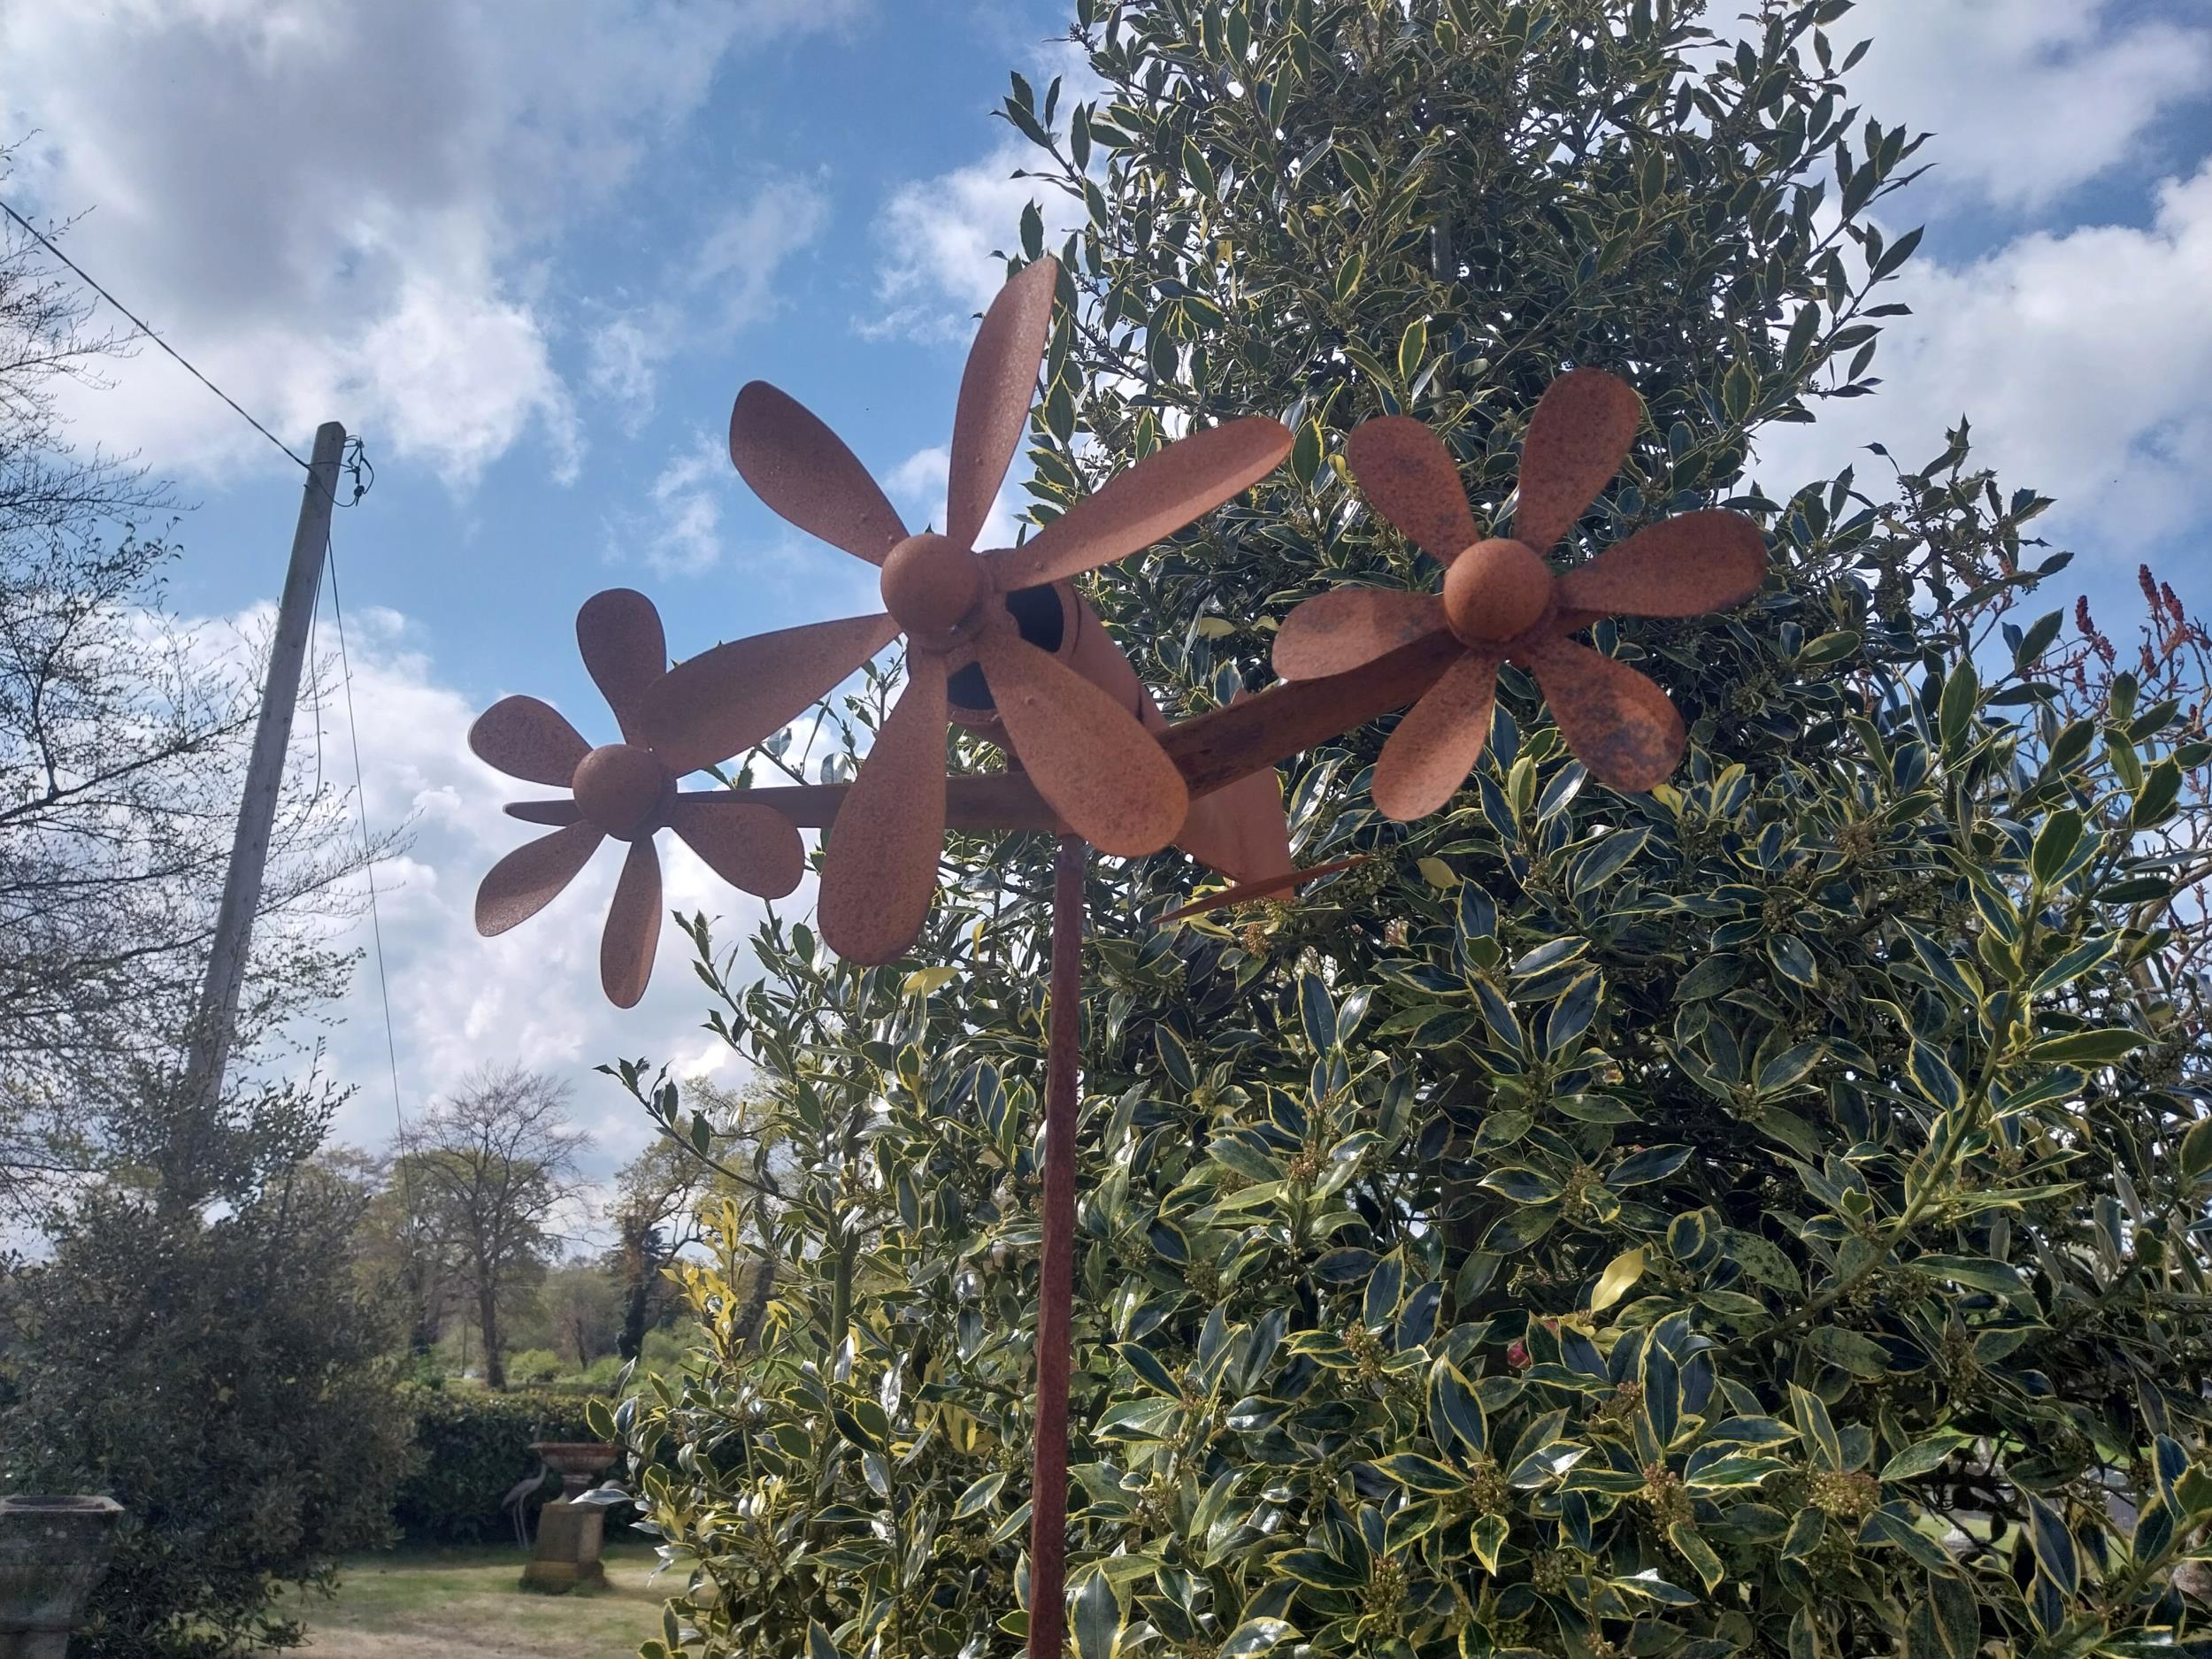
(433, 1603)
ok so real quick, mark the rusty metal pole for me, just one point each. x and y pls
(1055, 1262)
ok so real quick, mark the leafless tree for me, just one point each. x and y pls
(123, 743)
(492, 1164)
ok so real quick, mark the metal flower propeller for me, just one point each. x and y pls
(1089, 755)
(626, 790)
(1502, 601)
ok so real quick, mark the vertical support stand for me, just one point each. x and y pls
(1056, 1263)
(213, 1030)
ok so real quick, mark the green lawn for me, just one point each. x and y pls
(432, 1604)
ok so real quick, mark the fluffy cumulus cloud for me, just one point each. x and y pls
(2028, 101)
(939, 234)
(531, 996)
(345, 205)
(2082, 358)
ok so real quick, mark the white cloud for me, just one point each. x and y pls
(2028, 98)
(679, 531)
(739, 259)
(333, 209)
(916, 487)
(2083, 360)
(941, 233)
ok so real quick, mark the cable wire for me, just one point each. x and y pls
(139, 323)
(361, 802)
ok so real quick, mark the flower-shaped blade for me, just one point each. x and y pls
(1577, 440)
(1436, 745)
(1347, 627)
(724, 700)
(880, 870)
(1168, 488)
(1616, 719)
(619, 633)
(1409, 477)
(996, 388)
(1500, 601)
(532, 877)
(806, 476)
(623, 790)
(527, 739)
(1683, 566)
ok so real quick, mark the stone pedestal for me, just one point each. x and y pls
(569, 1532)
(52, 1551)
(567, 1554)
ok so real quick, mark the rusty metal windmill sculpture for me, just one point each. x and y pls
(625, 790)
(1000, 642)
(1501, 603)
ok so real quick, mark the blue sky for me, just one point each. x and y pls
(529, 252)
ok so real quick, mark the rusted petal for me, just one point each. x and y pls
(625, 651)
(755, 848)
(1434, 748)
(1245, 892)
(1094, 763)
(805, 475)
(1682, 567)
(634, 927)
(1168, 489)
(1619, 724)
(1347, 627)
(531, 876)
(1577, 440)
(881, 867)
(555, 812)
(527, 739)
(723, 701)
(996, 390)
(1409, 477)
(1240, 831)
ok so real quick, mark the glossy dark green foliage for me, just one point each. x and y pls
(1756, 1217)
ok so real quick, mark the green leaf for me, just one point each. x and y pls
(1976, 1272)
(979, 1495)
(1791, 958)
(1954, 715)
(2054, 1549)
(1455, 1412)
(2036, 641)
(2196, 1150)
(2054, 844)
(1097, 1618)
(1422, 1474)
(1709, 978)
(819, 1645)
(1488, 1536)
(1317, 1012)
(1698, 1553)
(1255, 1636)
(1523, 1186)
(1411, 345)
(1317, 1568)
(1653, 1163)
(1922, 1457)
(2155, 802)
(1848, 1350)
(1932, 1076)
(2086, 1047)
(1620, 1274)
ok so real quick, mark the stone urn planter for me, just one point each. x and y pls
(569, 1533)
(52, 1551)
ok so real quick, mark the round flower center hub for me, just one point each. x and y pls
(1495, 591)
(623, 789)
(930, 586)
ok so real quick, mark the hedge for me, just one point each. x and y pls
(472, 1448)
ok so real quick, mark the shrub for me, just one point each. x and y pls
(471, 1446)
(536, 1366)
(1756, 1217)
(225, 1383)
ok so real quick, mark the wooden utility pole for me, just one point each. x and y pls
(212, 1027)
